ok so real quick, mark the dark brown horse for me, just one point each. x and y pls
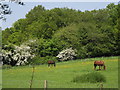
(51, 62)
(100, 64)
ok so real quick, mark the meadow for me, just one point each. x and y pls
(62, 75)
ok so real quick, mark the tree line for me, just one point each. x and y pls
(92, 33)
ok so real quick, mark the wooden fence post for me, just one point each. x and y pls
(101, 86)
(45, 85)
(31, 82)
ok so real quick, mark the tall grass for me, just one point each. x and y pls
(92, 77)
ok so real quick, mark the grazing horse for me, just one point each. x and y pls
(100, 64)
(51, 62)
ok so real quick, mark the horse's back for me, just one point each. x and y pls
(51, 62)
(99, 62)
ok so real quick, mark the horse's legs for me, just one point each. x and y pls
(48, 65)
(99, 67)
(54, 64)
(95, 66)
(104, 67)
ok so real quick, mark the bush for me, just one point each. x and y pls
(67, 54)
(20, 55)
(92, 77)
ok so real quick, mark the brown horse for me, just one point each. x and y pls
(100, 64)
(51, 62)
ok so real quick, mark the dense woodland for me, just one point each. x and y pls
(91, 33)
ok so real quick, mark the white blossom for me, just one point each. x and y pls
(67, 54)
(21, 54)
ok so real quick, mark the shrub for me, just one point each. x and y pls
(92, 77)
(67, 54)
(20, 55)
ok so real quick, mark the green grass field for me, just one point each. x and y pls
(0, 78)
(61, 75)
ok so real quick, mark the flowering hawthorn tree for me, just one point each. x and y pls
(20, 55)
(67, 54)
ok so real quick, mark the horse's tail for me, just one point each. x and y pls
(104, 67)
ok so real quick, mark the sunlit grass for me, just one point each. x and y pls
(61, 75)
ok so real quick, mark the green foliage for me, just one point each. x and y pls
(48, 49)
(35, 13)
(82, 52)
(5, 35)
(113, 13)
(92, 77)
(92, 33)
(37, 60)
(67, 37)
(43, 47)
(8, 47)
(16, 38)
(20, 25)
